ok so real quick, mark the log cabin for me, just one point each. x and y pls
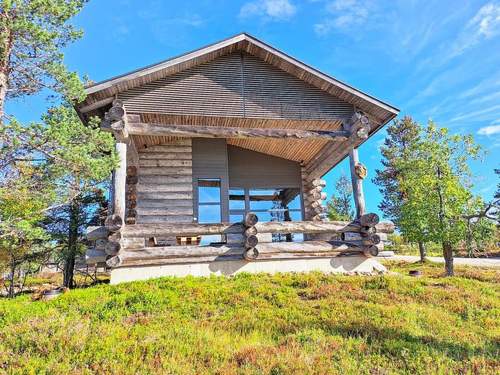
(222, 152)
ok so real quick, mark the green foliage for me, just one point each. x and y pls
(261, 324)
(68, 161)
(32, 36)
(401, 136)
(435, 182)
(22, 239)
(339, 207)
(71, 158)
(75, 156)
(480, 227)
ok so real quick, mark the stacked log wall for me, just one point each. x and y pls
(165, 183)
(313, 197)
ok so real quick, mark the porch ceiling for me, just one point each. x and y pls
(296, 150)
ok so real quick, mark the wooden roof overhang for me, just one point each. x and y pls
(317, 155)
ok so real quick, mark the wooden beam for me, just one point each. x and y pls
(176, 254)
(115, 121)
(141, 128)
(96, 233)
(182, 229)
(332, 153)
(192, 229)
(96, 105)
(94, 256)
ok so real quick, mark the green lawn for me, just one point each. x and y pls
(260, 324)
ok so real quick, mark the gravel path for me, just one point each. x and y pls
(475, 262)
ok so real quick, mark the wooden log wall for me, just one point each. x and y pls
(313, 197)
(131, 195)
(165, 183)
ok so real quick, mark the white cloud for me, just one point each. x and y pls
(275, 9)
(344, 15)
(484, 25)
(480, 114)
(489, 130)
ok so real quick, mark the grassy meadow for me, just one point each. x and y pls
(262, 324)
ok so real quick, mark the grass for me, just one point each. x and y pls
(260, 324)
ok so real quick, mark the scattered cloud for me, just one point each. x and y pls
(480, 114)
(344, 14)
(273, 9)
(489, 130)
(484, 25)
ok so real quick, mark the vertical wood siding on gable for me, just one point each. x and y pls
(236, 85)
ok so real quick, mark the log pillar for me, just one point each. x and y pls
(357, 182)
(119, 183)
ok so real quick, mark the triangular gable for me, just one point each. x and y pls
(101, 94)
(235, 85)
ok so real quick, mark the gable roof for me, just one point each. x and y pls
(102, 93)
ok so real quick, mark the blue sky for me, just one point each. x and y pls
(432, 59)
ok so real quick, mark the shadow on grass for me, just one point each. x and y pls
(381, 336)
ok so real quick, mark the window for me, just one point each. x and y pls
(209, 206)
(209, 197)
(282, 204)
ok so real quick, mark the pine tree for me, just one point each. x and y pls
(68, 156)
(340, 205)
(401, 135)
(32, 36)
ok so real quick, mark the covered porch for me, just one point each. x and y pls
(190, 194)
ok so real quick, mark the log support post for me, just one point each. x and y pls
(120, 179)
(357, 182)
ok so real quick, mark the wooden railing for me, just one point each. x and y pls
(125, 245)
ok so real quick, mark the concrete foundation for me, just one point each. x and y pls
(343, 265)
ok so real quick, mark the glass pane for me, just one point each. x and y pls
(210, 239)
(236, 199)
(264, 199)
(295, 202)
(264, 216)
(209, 190)
(235, 218)
(209, 214)
(296, 215)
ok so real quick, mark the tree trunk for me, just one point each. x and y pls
(448, 258)
(422, 251)
(69, 261)
(3, 94)
(10, 292)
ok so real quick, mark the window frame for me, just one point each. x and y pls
(247, 202)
